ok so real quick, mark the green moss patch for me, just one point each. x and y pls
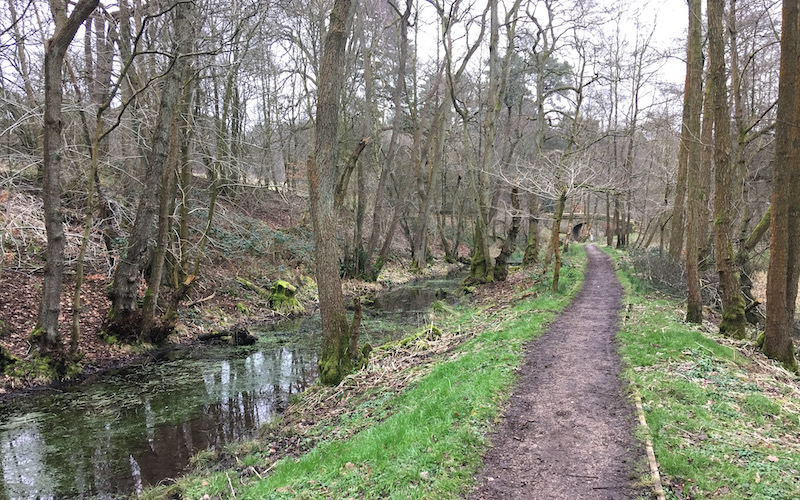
(283, 300)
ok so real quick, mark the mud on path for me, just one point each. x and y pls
(568, 432)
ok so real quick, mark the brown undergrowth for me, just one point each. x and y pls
(215, 301)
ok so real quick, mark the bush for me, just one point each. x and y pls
(669, 277)
(659, 271)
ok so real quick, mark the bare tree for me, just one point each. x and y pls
(46, 332)
(334, 363)
(690, 166)
(733, 320)
(125, 287)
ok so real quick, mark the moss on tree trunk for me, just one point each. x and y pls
(478, 268)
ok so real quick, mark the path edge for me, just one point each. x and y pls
(658, 488)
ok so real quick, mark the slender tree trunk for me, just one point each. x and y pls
(85, 238)
(124, 289)
(46, 333)
(397, 95)
(693, 164)
(562, 200)
(334, 363)
(510, 243)
(733, 319)
(692, 90)
(609, 233)
(784, 244)
(498, 77)
(568, 236)
(150, 304)
(531, 256)
(617, 221)
(754, 239)
(706, 238)
(427, 187)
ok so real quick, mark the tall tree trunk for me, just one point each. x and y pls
(609, 233)
(380, 192)
(568, 235)
(733, 319)
(426, 186)
(124, 288)
(46, 331)
(693, 163)
(706, 238)
(562, 200)
(678, 212)
(334, 363)
(617, 221)
(692, 91)
(531, 256)
(510, 243)
(166, 197)
(498, 78)
(784, 243)
(367, 131)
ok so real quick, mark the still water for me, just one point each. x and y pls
(111, 438)
(133, 429)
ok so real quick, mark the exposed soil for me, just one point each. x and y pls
(568, 432)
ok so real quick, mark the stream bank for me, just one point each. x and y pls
(134, 427)
(413, 424)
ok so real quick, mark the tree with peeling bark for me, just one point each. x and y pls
(784, 244)
(46, 334)
(334, 362)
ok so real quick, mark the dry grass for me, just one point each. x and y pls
(22, 225)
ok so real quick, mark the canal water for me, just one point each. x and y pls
(134, 428)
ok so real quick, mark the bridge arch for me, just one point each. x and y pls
(576, 232)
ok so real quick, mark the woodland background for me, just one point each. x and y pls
(143, 144)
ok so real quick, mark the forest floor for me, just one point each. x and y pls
(568, 432)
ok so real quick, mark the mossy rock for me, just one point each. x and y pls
(283, 298)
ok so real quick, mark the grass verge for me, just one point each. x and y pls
(423, 439)
(725, 422)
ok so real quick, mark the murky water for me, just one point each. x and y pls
(131, 429)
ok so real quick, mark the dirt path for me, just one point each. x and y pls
(568, 433)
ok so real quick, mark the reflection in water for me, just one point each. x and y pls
(134, 429)
(23, 459)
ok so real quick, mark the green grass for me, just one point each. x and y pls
(723, 425)
(426, 441)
